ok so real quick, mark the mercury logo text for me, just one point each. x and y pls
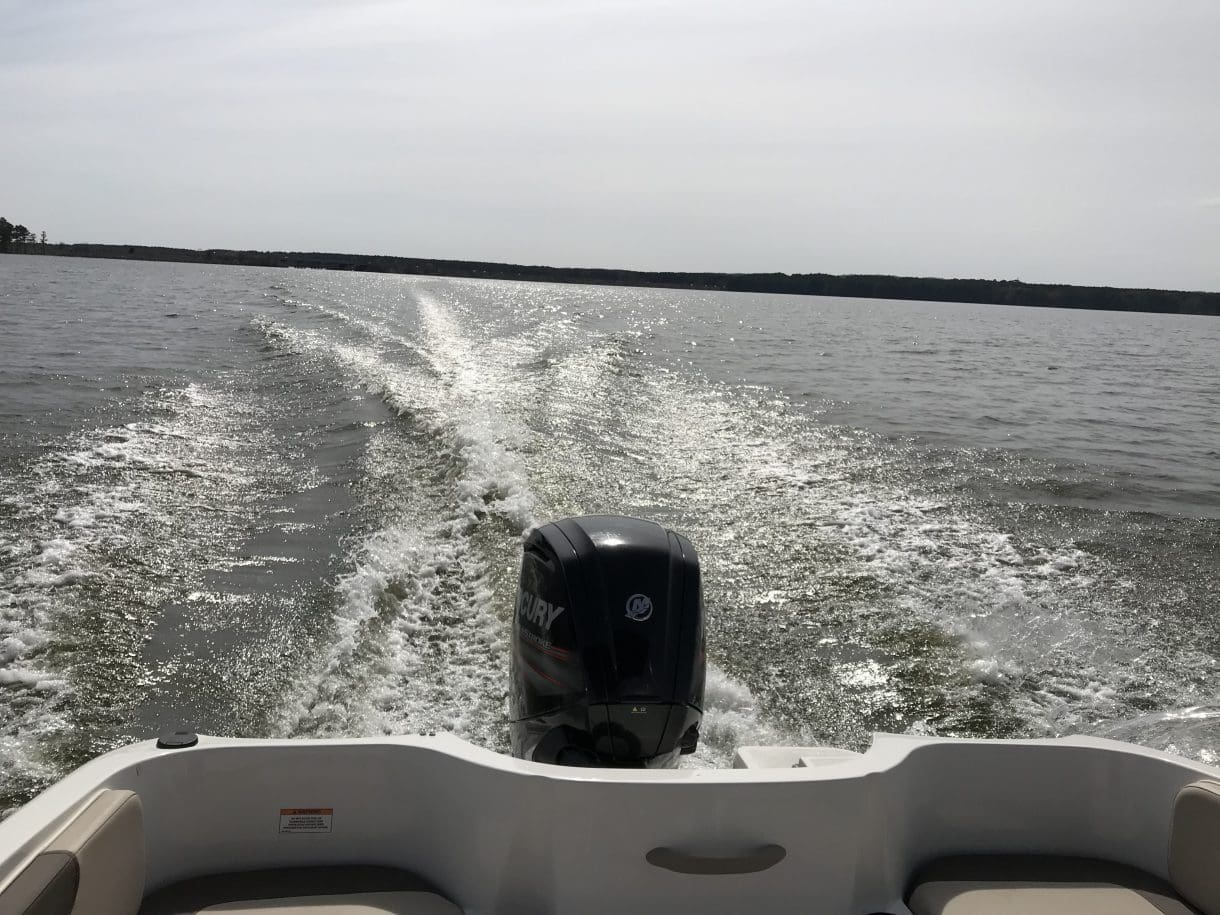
(532, 608)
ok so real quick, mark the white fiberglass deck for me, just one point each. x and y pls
(837, 834)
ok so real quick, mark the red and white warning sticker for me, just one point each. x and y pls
(306, 819)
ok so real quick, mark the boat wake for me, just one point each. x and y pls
(93, 539)
(326, 543)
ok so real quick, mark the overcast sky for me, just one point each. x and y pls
(1054, 140)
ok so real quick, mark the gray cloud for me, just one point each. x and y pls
(1038, 140)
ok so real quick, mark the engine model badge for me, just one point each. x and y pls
(639, 607)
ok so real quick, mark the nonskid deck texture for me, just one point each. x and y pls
(430, 824)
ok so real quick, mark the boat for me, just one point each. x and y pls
(587, 818)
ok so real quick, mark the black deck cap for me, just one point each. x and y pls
(180, 739)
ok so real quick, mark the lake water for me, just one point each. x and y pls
(284, 502)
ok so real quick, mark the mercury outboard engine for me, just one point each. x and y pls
(607, 664)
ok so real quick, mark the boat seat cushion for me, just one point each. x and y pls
(344, 890)
(405, 903)
(107, 840)
(94, 864)
(1194, 845)
(1039, 885)
(47, 886)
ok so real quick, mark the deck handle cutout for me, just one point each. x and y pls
(749, 862)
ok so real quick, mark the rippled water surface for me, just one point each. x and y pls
(282, 502)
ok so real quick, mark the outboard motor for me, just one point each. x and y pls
(607, 664)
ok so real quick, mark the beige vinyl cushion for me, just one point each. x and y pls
(107, 839)
(318, 885)
(1039, 885)
(47, 886)
(1194, 845)
(392, 903)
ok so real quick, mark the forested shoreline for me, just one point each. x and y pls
(17, 239)
(933, 289)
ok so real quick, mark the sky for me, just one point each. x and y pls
(1045, 140)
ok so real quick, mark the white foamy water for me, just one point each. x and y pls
(419, 644)
(421, 631)
(561, 410)
(292, 503)
(104, 517)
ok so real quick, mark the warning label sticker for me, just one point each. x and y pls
(306, 819)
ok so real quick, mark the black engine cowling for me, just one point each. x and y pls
(607, 657)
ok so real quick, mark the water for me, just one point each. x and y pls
(279, 502)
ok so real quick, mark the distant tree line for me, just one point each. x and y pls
(17, 238)
(927, 289)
